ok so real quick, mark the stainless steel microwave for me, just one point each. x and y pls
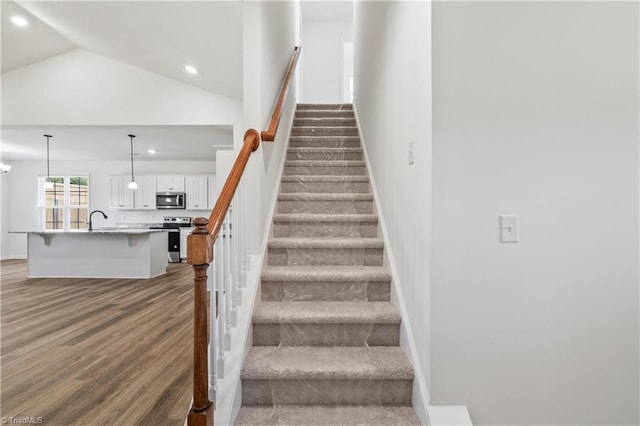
(170, 200)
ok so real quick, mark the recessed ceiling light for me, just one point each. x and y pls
(19, 21)
(190, 69)
(152, 151)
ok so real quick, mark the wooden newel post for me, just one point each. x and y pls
(200, 255)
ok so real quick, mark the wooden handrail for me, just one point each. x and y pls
(200, 255)
(269, 135)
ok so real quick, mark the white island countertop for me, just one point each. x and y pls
(94, 231)
(100, 253)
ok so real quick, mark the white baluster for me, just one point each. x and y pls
(227, 285)
(219, 282)
(235, 259)
(213, 334)
(245, 240)
(235, 292)
(238, 234)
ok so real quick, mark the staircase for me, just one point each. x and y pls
(325, 336)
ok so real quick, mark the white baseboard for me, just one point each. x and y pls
(449, 415)
(12, 257)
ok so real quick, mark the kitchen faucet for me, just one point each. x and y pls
(91, 214)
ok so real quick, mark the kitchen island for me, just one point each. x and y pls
(101, 253)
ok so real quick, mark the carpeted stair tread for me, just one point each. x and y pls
(325, 154)
(324, 141)
(326, 243)
(325, 196)
(317, 107)
(320, 138)
(326, 313)
(314, 128)
(324, 163)
(325, 149)
(324, 121)
(346, 113)
(324, 217)
(331, 362)
(324, 131)
(323, 415)
(324, 178)
(325, 273)
(319, 122)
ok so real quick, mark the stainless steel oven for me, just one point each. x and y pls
(173, 225)
(170, 200)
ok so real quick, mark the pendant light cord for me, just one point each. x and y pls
(48, 176)
(132, 136)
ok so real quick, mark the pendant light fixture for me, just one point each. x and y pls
(132, 184)
(47, 183)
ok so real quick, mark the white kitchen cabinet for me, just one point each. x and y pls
(170, 183)
(121, 196)
(196, 189)
(184, 233)
(145, 195)
(212, 192)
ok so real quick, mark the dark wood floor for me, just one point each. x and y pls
(96, 351)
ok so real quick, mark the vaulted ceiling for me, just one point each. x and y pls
(159, 36)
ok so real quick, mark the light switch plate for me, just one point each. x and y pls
(509, 228)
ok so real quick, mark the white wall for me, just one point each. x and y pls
(392, 65)
(322, 55)
(5, 215)
(271, 33)
(536, 114)
(22, 204)
(83, 88)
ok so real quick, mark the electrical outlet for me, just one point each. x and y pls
(509, 229)
(411, 158)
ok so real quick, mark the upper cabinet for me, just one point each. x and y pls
(212, 193)
(170, 184)
(145, 195)
(199, 191)
(121, 195)
(196, 189)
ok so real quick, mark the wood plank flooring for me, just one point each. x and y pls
(96, 351)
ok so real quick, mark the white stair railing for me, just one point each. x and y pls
(227, 275)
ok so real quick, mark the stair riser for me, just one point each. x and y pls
(329, 207)
(325, 256)
(327, 113)
(326, 291)
(277, 334)
(332, 142)
(324, 131)
(334, 392)
(325, 229)
(328, 155)
(325, 187)
(325, 122)
(325, 107)
(325, 170)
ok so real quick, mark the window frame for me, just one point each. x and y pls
(66, 207)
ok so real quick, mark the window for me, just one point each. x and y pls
(65, 205)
